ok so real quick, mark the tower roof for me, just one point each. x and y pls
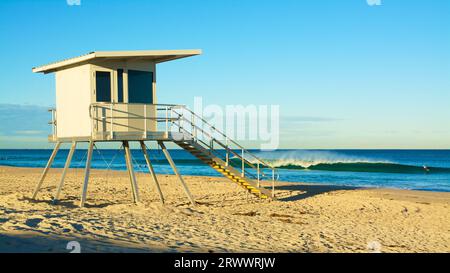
(157, 56)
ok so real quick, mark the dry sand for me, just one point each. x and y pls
(306, 218)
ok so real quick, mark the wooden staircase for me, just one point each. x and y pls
(207, 156)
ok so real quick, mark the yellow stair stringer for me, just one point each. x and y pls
(228, 171)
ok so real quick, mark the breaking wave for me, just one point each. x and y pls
(333, 161)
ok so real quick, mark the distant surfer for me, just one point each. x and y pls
(425, 168)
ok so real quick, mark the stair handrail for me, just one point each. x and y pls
(214, 151)
(228, 149)
(224, 135)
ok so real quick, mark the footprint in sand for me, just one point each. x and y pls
(33, 222)
(190, 212)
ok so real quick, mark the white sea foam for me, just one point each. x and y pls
(308, 158)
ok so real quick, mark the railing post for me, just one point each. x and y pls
(181, 120)
(258, 175)
(112, 120)
(92, 119)
(227, 155)
(171, 118)
(167, 121)
(52, 112)
(194, 133)
(273, 182)
(56, 121)
(243, 164)
(145, 121)
(53, 122)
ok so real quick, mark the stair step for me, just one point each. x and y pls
(228, 171)
(241, 183)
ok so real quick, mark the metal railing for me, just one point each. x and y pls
(130, 117)
(53, 123)
(167, 118)
(206, 134)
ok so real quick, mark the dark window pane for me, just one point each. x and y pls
(140, 86)
(103, 86)
(119, 85)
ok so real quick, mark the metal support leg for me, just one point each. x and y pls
(151, 170)
(131, 174)
(47, 167)
(86, 173)
(66, 166)
(175, 170)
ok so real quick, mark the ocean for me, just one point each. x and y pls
(404, 169)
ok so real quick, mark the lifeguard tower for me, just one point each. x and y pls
(111, 96)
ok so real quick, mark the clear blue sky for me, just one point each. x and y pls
(345, 74)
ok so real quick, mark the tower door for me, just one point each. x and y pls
(103, 86)
(102, 93)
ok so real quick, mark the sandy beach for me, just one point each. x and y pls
(305, 218)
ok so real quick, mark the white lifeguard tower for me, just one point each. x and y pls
(111, 96)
